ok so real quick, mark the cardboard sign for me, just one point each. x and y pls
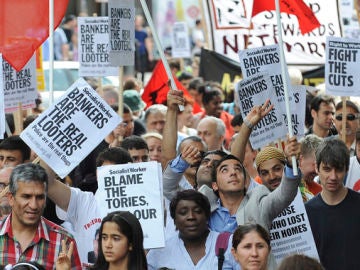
(342, 71)
(290, 232)
(137, 188)
(254, 91)
(71, 128)
(93, 40)
(19, 87)
(180, 42)
(122, 32)
(267, 59)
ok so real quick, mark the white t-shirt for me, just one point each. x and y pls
(85, 218)
(353, 176)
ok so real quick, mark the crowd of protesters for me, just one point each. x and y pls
(213, 182)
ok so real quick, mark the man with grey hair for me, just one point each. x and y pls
(155, 118)
(307, 165)
(25, 234)
(212, 131)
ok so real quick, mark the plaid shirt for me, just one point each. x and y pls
(43, 249)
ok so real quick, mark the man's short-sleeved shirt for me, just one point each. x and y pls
(44, 248)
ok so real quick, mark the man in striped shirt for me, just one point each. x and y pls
(25, 235)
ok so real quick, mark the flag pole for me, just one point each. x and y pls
(285, 82)
(159, 47)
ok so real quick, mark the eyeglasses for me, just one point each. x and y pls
(349, 117)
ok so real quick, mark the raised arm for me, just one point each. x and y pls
(285, 193)
(168, 152)
(58, 192)
(252, 119)
(176, 168)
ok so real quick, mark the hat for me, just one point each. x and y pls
(268, 153)
(133, 99)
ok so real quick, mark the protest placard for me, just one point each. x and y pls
(290, 232)
(298, 110)
(342, 71)
(19, 87)
(254, 91)
(267, 59)
(122, 32)
(93, 49)
(180, 42)
(71, 128)
(137, 188)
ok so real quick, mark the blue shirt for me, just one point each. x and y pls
(178, 165)
(221, 220)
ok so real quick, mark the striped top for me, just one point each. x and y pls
(43, 249)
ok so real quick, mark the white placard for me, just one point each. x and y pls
(93, 40)
(122, 32)
(254, 91)
(267, 59)
(342, 71)
(291, 233)
(69, 130)
(297, 111)
(19, 87)
(137, 188)
(180, 42)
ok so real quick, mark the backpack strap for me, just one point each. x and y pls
(221, 245)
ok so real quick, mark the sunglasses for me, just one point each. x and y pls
(349, 117)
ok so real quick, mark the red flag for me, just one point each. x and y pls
(306, 18)
(155, 92)
(24, 27)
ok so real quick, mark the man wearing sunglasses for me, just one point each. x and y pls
(352, 123)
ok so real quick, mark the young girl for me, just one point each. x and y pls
(121, 243)
(251, 247)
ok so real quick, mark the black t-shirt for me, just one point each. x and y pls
(336, 231)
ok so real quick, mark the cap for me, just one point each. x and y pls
(133, 99)
(268, 153)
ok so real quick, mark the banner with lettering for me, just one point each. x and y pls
(291, 233)
(19, 86)
(231, 35)
(93, 49)
(71, 128)
(254, 91)
(267, 59)
(137, 188)
(342, 71)
(122, 32)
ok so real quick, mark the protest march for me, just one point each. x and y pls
(180, 134)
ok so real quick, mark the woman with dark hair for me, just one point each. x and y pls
(121, 243)
(251, 247)
(194, 246)
(212, 100)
